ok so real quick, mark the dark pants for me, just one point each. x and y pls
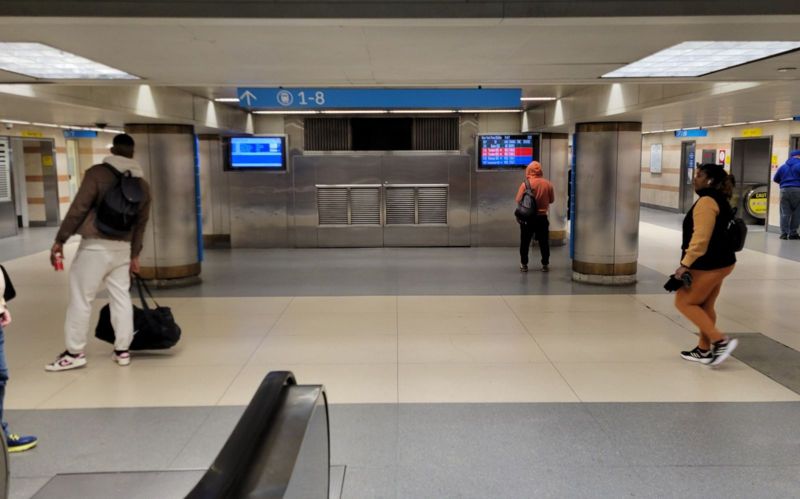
(540, 229)
(3, 377)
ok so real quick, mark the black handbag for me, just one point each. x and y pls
(153, 328)
(9, 293)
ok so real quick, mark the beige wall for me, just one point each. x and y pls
(91, 151)
(663, 189)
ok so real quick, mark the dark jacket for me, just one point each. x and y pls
(81, 215)
(718, 254)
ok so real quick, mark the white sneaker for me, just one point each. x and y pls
(66, 361)
(723, 350)
(122, 358)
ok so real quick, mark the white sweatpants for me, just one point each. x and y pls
(97, 263)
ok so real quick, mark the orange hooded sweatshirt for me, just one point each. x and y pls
(541, 187)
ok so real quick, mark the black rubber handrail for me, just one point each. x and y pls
(231, 464)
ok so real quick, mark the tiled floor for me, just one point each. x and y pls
(431, 327)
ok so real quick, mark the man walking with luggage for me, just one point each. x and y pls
(788, 176)
(536, 226)
(110, 212)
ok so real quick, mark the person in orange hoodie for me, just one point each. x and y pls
(539, 226)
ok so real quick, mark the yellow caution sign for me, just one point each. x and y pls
(47, 160)
(757, 202)
(751, 132)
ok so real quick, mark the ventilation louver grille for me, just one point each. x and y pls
(432, 205)
(349, 205)
(435, 134)
(328, 134)
(400, 206)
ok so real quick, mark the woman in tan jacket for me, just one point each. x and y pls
(16, 443)
(709, 258)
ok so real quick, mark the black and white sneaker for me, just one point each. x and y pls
(698, 355)
(723, 349)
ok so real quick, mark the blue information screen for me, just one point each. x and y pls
(258, 152)
(506, 151)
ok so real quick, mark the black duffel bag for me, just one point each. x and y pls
(153, 328)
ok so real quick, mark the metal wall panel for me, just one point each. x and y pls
(259, 209)
(398, 174)
(8, 216)
(50, 180)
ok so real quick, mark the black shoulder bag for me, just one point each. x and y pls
(153, 328)
(9, 293)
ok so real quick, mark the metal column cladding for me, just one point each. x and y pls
(167, 156)
(554, 158)
(606, 182)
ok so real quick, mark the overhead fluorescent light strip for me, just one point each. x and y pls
(543, 99)
(226, 99)
(43, 61)
(689, 59)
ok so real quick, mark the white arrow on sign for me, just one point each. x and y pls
(247, 96)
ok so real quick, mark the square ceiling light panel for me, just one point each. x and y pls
(700, 58)
(42, 61)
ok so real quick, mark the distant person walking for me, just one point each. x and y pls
(536, 225)
(15, 443)
(788, 176)
(112, 226)
(709, 258)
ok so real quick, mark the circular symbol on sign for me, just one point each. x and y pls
(756, 202)
(285, 98)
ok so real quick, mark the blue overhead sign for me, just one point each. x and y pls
(691, 133)
(79, 134)
(379, 98)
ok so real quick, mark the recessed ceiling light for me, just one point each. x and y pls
(488, 110)
(537, 98)
(786, 70)
(226, 99)
(285, 112)
(42, 61)
(700, 58)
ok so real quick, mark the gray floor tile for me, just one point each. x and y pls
(204, 445)
(703, 482)
(364, 435)
(371, 483)
(90, 440)
(28, 242)
(771, 358)
(703, 434)
(137, 485)
(25, 488)
(503, 436)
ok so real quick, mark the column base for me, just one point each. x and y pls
(609, 274)
(605, 280)
(172, 277)
(558, 237)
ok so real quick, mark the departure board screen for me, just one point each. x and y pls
(506, 151)
(258, 153)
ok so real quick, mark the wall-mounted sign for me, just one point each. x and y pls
(655, 158)
(752, 132)
(47, 160)
(722, 155)
(756, 202)
(691, 133)
(32, 134)
(79, 134)
(379, 98)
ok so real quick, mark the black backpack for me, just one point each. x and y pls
(118, 211)
(526, 209)
(736, 232)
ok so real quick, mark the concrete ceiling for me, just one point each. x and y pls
(558, 57)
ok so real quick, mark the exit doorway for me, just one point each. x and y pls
(687, 175)
(751, 165)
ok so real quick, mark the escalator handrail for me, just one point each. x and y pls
(231, 464)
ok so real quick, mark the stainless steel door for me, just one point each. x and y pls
(8, 216)
(687, 175)
(50, 181)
